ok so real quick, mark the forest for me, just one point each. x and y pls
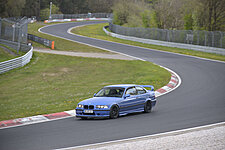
(165, 14)
(171, 14)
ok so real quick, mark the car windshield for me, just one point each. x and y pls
(110, 92)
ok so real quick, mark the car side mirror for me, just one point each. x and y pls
(127, 95)
(94, 94)
(152, 89)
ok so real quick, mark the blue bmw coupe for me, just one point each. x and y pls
(117, 100)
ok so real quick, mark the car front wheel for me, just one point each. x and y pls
(114, 112)
(148, 107)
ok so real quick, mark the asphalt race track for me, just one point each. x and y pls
(200, 100)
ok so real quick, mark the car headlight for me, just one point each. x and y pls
(80, 106)
(102, 106)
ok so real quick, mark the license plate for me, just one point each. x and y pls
(88, 111)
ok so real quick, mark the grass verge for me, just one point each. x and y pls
(95, 31)
(4, 56)
(54, 83)
(60, 44)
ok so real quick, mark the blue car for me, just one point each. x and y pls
(117, 100)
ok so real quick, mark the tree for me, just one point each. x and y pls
(133, 13)
(31, 8)
(13, 8)
(44, 14)
(3, 8)
(100, 6)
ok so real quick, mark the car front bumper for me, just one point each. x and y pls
(95, 114)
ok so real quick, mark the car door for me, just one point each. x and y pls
(141, 97)
(129, 103)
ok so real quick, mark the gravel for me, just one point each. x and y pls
(81, 54)
(213, 139)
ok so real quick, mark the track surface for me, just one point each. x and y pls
(200, 100)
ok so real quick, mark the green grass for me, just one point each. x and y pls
(54, 83)
(96, 31)
(60, 44)
(4, 56)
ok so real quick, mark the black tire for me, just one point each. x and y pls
(114, 112)
(148, 107)
(83, 118)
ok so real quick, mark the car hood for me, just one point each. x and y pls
(101, 101)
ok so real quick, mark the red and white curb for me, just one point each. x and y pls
(36, 119)
(173, 84)
(79, 19)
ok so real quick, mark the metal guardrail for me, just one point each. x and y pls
(202, 38)
(75, 16)
(207, 49)
(17, 62)
(40, 40)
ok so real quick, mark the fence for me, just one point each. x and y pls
(203, 38)
(17, 62)
(14, 30)
(40, 40)
(13, 33)
(75, 16)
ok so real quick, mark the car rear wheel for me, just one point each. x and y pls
(114, 112)
(148, 107)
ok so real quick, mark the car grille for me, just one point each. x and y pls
(89, 113)
(88, 106)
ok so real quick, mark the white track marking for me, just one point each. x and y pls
(171, 133)
(87, 44)
(207, 59)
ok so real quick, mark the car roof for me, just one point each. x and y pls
(121, 85)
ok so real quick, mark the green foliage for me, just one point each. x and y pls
(188, 22)
(44, 14)
(12, 8)
(173, 14)
(153, 21)
(146, 18)
(121, 11)
(117, 19)
(133, 13)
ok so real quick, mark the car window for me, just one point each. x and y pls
(131, 91)
(110, 92)
(140, 90)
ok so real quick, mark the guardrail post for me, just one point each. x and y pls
(13, 37)
(19, 39)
